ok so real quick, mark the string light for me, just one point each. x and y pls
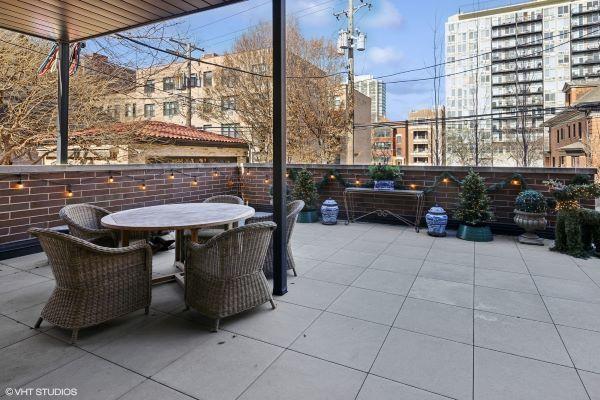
(357, 182)
(172, 175)
(215, 173)
(195, 182)
(111, 179)
(69, 191)
(267, 179)
(143, 186)
(287, 174)
(445, 180)
(19, 184)
(515, 182)
(332, 177)
(413, 186)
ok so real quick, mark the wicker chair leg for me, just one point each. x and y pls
(215, 327)
(187, 308)
(147, 310)
(38, 323)
(74, 336)
(272, 304)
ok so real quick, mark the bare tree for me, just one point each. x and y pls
(29, 102)
(438, 70)
(317, 116)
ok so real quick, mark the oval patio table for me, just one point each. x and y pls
(177, 217)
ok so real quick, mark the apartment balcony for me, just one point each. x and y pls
(579, 9)
(593, 46)
(586, 61)
(577, 23)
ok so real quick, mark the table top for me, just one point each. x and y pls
(177, 216)
(395, 191)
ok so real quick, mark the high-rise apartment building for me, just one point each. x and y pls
(375, 89)
(508, 65)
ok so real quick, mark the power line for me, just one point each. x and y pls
(472, 69)
(230, 16)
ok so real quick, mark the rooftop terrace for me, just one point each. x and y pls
(377, 312)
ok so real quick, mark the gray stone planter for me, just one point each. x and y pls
(530, 222)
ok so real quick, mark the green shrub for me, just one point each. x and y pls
(531, 201)
(384, 172)
(305, 189)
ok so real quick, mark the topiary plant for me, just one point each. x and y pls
(305, 189)
(531, 201)
(473, 202)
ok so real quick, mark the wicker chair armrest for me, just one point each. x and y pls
(91, 246)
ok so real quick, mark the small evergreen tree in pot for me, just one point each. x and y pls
(305, 189)
(474, 210)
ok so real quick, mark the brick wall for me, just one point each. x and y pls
(45, 189)
(256, 188)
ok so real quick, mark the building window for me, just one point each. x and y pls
(580, 131)
(230, 130)
(569, 131)
(149, 86)
(207, 77)
(562, 161)
(130, 110)
(168, 83)
(205, 106)
(148, 110)
(194, 80)
(113, 111)
(562, 133)
(170, 108)
(557, 136)
(337, 102)
(228, 103)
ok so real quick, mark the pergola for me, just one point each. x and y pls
(68, 21)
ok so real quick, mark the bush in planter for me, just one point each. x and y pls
(530, 214)
(305, 189)
(531, 201)
(474, 209)
(384, 175)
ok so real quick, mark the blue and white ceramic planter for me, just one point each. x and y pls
(436, 219)
(329, 212)
(383, 185)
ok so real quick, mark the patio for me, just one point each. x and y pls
(377, 312)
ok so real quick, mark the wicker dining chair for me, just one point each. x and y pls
(293, 209)
(224, 276)
(94, 284)
(205, 235)
(83, 221)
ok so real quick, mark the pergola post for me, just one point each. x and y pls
(279, 149)
(62, 144)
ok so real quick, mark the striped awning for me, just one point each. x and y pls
(76, 20)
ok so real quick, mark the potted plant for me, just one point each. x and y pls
(306, 190)
(474, 210)
(384, 176)
(530, 214)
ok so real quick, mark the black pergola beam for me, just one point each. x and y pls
(62, 144)
(279, 149)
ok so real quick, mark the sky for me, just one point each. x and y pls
(400, 36)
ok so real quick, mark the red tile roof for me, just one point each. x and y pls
(165, 130)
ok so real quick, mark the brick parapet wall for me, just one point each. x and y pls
(446, 195)
(45, 188)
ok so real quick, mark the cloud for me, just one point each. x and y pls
(383, 55)
(385, 16)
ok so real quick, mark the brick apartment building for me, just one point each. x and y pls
(574, 134)
(411, 142)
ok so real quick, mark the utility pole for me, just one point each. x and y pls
(348, 40)
(189, 48)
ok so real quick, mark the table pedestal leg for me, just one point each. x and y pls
(124, 239)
